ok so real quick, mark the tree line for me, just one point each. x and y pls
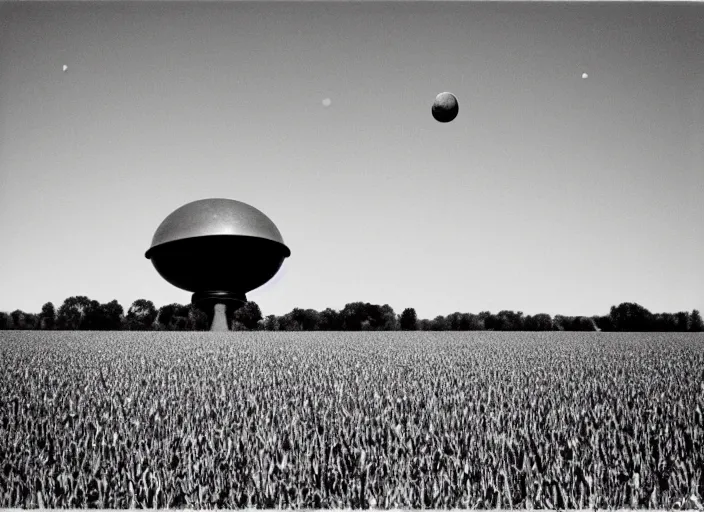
(82, 313)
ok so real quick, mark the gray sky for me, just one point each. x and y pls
(548, 193)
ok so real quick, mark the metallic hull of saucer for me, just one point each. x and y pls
(219, 262)
(217, 245)
(208, 217)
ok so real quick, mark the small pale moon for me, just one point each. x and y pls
(65, 68)
(327, 102)
(445, 108)
(584, 75)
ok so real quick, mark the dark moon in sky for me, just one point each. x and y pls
(445, 108)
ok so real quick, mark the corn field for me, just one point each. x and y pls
(379, 420)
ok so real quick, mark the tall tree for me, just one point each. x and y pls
(561, 323)
(93, 318)
(631, 317)
(353, 314)
(409, 320)
(5, 321)
(425, 325)
(113, 314)
(18, 317)
(374, 316)
(670, 322)
(439, 323)
(102, 317)
(288, 322)
(453, 321)
(31, 321)
(505, 320)
(72, 312)
(330, 320)
(604, 323)
(165, 316)
(181, 318)
(248, 315)
(309, 319)
(389, 319)
(683, 321)
(470, 322)
(491, 321)
(270, 323)
(197, 319)
(583, 323)
(512, 320)
(695, 323)
(47, 318)
(141, 315)
(538, 322)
